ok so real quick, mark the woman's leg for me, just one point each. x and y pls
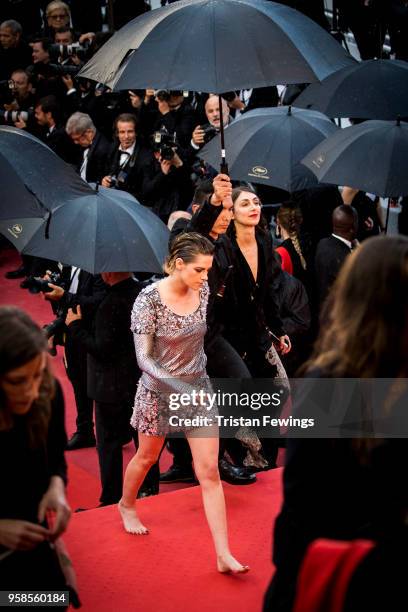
(205, 457)
(147, 454)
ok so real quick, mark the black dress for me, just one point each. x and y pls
(24, 478)
(330, 492)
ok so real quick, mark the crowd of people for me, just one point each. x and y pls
(236, 301)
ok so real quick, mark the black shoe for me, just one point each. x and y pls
(235, 475)
(177, 474)
(148, 491)
(19, 273)
(25, 284)
(79, 440)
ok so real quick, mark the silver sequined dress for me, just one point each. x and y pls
(170, 353)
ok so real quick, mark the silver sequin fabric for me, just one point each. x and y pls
(170, 353)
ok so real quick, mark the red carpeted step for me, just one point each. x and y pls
(173, 568)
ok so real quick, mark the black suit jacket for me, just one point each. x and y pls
(98, 158)
(130, 175)
(330, 255)
(59, 141)
(112, 368)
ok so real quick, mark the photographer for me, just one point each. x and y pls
(166, 181)
(177, 116)
(128, 160)
(77, 287)
(17, 99)
(14, 53)
(203, 134)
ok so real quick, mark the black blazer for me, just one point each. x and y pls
(330, 255)
(112, 368)
(98, 158)
(131, 173)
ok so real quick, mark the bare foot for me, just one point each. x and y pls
(131, 521)
(228, 565)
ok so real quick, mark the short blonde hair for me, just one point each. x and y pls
(57, 4)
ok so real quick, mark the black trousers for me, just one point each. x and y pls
(76, 361)
(112, 429)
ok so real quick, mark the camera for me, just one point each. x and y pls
(164, 95)
(200, 171)
(165, 143)
(36, 284)
(63, 52)
(10, 117)
(64, 69)
(209, 131)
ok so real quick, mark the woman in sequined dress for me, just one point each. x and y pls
(169, 324)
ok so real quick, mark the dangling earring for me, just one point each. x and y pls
(277, 231)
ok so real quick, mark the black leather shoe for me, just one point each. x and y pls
(19, 273)
(177, 474)
(148, 491)
(79, 440)
(235, 475)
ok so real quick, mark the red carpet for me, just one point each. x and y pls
(173, 568)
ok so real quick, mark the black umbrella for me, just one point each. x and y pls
(373, 89)
(266, 146)
(371, 156)
(34, 182)
(216, 46)
(104, 231)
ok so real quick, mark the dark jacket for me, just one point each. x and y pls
(130, 176)
(98, 158)
(112, 368)
(330, 255)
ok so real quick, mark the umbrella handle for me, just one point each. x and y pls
(223, 165)
(387, 216)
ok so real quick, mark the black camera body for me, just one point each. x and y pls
(36, 284)
(165, 144)
(60, 53)
(209, 131)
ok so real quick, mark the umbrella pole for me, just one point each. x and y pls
(224, 165)
(388, 216)
(111, 21)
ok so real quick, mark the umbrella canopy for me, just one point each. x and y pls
(105, 231)
(34, 182)
(266, 146)
(371, 156)
(36, 169)
(374, 89)
(216, 46)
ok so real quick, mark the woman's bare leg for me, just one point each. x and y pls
(147, 454)
(205, 457)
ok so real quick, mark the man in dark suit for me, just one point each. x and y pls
(127, 161)
(112, 378)
(47, 115)
(79, 288)
(332, 251)
(96, 148)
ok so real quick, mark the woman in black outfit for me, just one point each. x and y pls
(248, 327)
(353, 488)
(33, 473)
